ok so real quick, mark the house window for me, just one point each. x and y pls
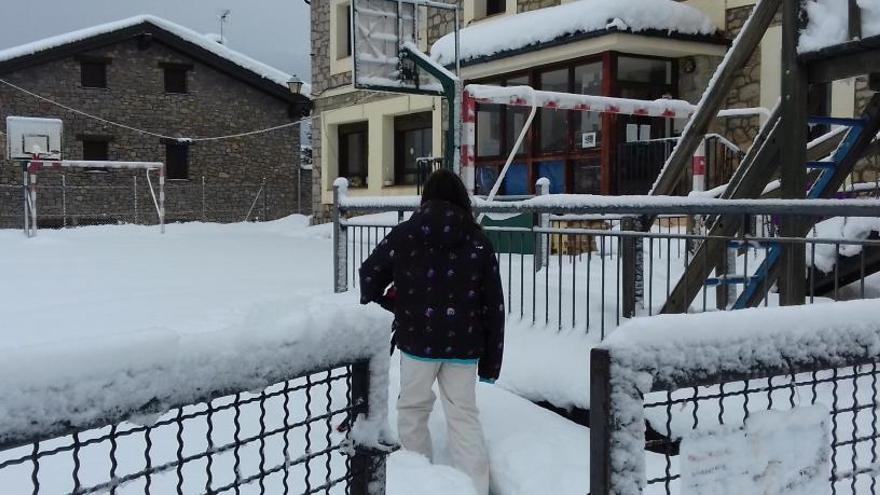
(93, 74)
(487, 8)
(412, 140)
(95, 149)
(343, 31)
(353, 157)
(494, 7)
(176, 161)
(175, 79)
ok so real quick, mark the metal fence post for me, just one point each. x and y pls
(627, 248)
(135, 179)
(340, 237)
(265, 200)
(64, 200)
(204, 207)
(600, 422)
(542, 242)
(367, 464)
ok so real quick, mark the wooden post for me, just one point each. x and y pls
(793, 171)
(600, 422)
(743, 47)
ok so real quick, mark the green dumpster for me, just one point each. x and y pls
(511, 242)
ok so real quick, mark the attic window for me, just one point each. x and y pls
(175, 79)
(93, 73)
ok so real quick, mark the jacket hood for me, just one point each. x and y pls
(440, 223)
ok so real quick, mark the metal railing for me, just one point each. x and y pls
(289, 437)
(681, 398)
(66, 201)
(589, 271)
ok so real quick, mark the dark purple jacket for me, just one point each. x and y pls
(449, 302)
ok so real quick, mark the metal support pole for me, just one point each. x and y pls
(367, 464)
(162, 199)
(265, 200)
(32, 189)
(26, 195)
(340, 237)
(627, 248)
(792, 284)
(600, 422)
(204, 206)
(542, 243)
(64, 200)
(135, 187)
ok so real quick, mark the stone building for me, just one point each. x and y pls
(152, 75)
(617, 52)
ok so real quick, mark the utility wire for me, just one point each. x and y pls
(142, 131)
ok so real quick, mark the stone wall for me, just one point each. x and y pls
(746, 90)
(216, 104)
(867, 170)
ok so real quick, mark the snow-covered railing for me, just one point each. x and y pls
(294, 386)
(770, 400)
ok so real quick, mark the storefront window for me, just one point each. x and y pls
(644, 70)
(588, 125)
(516, 118)
(554, 135)
(489, 130)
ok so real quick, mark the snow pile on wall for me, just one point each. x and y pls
(78, 381)
(829, 23)
(521, 30)
(668, 347)
(855, 229)
(201, 40)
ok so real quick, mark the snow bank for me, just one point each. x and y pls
(852, 229)
(668, 348)
(203, 41)
(79, 381)
(412, 474)
(829, 23)
(540, 26)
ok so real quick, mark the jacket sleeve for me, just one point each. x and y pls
(493, 319)
(376, 273)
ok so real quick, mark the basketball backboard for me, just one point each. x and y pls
(27, 136)
(380, 30)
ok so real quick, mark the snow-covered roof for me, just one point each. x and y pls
(828, 23)
(202, 41)
(518, 31)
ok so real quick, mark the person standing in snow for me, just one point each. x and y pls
(439, 275)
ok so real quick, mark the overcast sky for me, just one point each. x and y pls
(275, 32)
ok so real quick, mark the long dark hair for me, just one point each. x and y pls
(444, 185)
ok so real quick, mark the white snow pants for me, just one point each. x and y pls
(457, 384)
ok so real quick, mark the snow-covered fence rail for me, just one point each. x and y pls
(573, 261)
(291, 399)
(769, 400)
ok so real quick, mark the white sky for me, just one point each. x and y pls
(275, 32)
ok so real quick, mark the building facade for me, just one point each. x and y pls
(368, 137)
(152, 75)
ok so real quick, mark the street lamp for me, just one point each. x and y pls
(295, 84)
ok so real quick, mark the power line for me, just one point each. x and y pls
(145, 132)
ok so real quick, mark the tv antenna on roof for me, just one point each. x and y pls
(224, 15)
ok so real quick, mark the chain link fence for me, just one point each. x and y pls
(65, 200)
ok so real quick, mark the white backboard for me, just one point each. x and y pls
(380, 28)
(26, 136)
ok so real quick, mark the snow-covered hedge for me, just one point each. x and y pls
(48, 388)
(664, 352)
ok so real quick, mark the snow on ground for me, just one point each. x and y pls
(104, 285)
(521, 30)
